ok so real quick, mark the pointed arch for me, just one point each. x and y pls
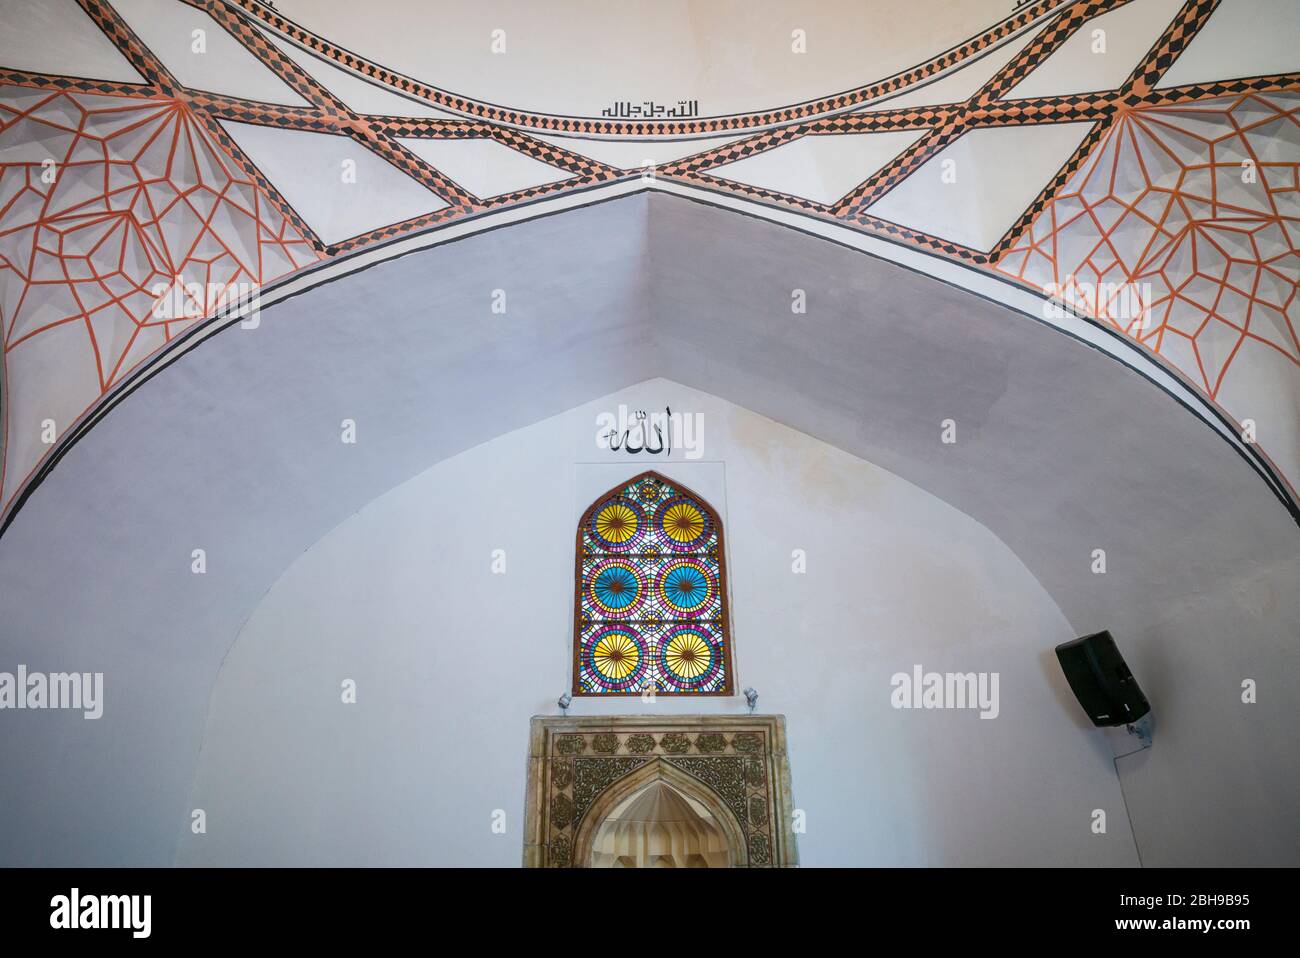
(686, 784)
(651, 604)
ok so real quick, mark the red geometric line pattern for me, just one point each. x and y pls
(1136, 91)
(167, 86)
(1182, 230)
(138, 194)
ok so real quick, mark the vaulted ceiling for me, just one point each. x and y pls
(970, 227)
(1133, 163)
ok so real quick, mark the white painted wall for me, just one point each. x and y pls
(451, 660)
(1221, 783)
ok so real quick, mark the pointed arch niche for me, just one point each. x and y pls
(659, 817)
(642, 791)
(650, 593)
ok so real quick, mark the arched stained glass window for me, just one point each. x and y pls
(651, 609)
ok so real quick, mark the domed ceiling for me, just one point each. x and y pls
(1130, 166)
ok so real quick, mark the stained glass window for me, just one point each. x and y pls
(651, 609)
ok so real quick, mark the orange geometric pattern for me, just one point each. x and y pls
(117, 199)
(1182, 230)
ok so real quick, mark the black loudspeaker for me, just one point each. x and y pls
(1101, 681)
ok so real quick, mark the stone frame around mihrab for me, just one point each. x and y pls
(581, 767)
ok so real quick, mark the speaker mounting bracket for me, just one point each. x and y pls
(1141, 730)
(1136, 736)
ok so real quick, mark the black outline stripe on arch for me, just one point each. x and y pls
(184, 344)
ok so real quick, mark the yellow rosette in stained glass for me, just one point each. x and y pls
(616, 655)
(690, 659)
(687, 655)
(684, 525)
(618, 524)
(617, 661)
